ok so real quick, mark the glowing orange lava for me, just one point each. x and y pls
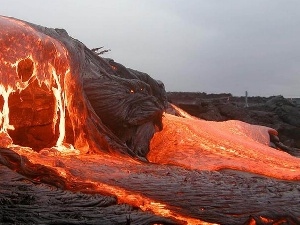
(206, 145)
(49, 65)
(36, 64)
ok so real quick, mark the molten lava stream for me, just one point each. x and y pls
(206, 145)
(147, 204)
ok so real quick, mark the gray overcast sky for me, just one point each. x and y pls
(212, 46)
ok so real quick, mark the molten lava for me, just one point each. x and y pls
(43, 102)
(207, 145)
(56, 94)
(29, 57)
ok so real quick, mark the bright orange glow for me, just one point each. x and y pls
(266, 220)
(206, 145)
(21, 45)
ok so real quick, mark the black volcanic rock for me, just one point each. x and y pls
(285, 109)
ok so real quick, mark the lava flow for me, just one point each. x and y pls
(43, 102)
(31, 58)
(207, 145)
(56, 94)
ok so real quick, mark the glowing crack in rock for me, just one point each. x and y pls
(4, 115)
(60, 100)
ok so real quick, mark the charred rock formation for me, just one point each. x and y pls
(129, 103)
